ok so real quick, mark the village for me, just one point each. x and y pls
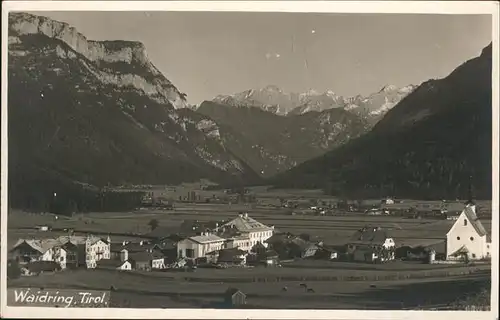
(242, 242)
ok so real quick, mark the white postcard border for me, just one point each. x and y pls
(413, 7)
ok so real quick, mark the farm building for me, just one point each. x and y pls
(468, 237)
(412, 253)
(269, 258)
(198, 246)
(289, 246)
(300, 248)
(329, 252)
(26, 251)
(141, 261)
(232, 257)
(371, 244)
(234, 298)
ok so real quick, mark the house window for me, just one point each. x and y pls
(487, 246)
(473, 255)
(190, 253)
(458, 238)
(471, 238)
(465, 222)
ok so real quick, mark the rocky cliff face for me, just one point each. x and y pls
(101, 113)
(105, 53)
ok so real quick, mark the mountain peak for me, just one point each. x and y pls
(388, 88)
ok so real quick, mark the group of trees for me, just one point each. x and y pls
(66, 199)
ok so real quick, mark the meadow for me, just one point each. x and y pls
(175, 290)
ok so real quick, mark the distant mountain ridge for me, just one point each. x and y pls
(426, 147)
(273, 99)
(270, 143)
(100, 113)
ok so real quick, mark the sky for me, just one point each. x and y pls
(206, 54)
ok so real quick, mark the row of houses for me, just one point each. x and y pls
(67, 251)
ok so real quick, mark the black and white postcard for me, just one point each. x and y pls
(249, 160)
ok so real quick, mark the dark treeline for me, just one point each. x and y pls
(68, 198)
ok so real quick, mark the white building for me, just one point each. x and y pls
(96, 249)
(198, 246)
(124, 265)
(241, 242)
(157, 261)
(468, 237)
(251, 229)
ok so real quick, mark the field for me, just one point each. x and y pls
(336, 284)
(179, 290)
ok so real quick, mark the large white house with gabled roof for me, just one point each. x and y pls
(255, 231)
(468, 236)
(241, 233)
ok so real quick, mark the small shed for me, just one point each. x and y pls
(234, 297)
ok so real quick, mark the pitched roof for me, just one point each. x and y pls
(232, 291)
(40, 245)
(302, 244)
(461, 250)
(206, 238)
(246, 224)
(279, 237)
(475, 222)
(369, 235)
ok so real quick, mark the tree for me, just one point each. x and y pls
(153, 224)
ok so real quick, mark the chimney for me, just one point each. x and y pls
(124, 243)
(141, 243)
(245, 215)
(240, 215)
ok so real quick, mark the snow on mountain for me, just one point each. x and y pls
(273, 99)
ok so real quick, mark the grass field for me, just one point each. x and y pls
(173, 290)
(332, 229)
